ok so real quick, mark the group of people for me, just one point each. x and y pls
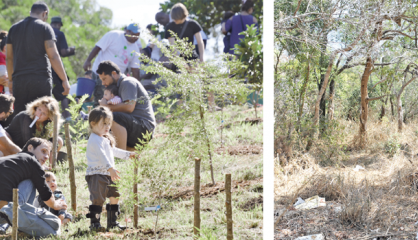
(34, 81)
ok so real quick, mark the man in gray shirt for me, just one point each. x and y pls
(132, 118)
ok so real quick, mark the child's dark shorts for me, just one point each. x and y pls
(100, 189)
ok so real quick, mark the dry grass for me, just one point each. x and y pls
(384, 196)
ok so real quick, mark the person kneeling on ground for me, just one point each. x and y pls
(7, 147)
(24, 171)
(101, 172)
(133, 118)
(62, 213)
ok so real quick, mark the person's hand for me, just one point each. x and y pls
(65, 221)
(134, 155)
(66, 86)
(103, 102)
(114, 174)
(87, 66)
(71, 50)
(62, 216)
(4, 80)
(60, 205)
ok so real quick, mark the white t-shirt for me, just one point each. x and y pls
(117, 49)
(2, 132)
(100, 155)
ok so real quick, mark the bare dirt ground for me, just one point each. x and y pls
(379, 202)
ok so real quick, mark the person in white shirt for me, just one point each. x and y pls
(101, 172)
(119, 47)
(7, 147)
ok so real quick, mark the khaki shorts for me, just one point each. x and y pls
(100, 189)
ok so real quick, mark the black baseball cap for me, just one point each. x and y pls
(56, 20)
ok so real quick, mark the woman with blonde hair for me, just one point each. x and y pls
(22, 128)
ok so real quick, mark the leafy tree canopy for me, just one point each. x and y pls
(84, 25)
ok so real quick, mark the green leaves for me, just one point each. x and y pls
(250, 51)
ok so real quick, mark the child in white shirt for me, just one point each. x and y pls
(101, 172)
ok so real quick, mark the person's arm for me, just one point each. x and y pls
(200, 45)
(54, 58)
(66, 52)
(9, 65)
(122, 154)
(126, 107)
(135, 73)
(93, 54)
(56, 205)
(223, 28)
(228, 25)
(9, 145)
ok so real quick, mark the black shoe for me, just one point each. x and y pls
(94, 216)
(113, 213)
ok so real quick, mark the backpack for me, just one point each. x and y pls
(37, 222)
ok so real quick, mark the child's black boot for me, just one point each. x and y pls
(113, 213)
(94, 216)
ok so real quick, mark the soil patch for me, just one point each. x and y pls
(252, 203)
(240, 150)
(208, 190)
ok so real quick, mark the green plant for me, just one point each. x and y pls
(392, 145)
(250, 52)
(78, 127)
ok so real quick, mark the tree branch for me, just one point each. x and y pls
(375, 98)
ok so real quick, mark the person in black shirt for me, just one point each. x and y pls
(24, 171)
(64, 51)
(185, 29)
(30, 53)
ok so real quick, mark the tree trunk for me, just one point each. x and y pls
(15, 215)
(331, 100)
(400, 112)
(364, 110)
(302, 94)
(228, 203)
(208, 143)
(382, 112)
(391, 107)
(196, 218)
(73, 186)
(318, 100)
(55, 143)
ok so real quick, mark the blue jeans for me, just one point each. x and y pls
(27, 194)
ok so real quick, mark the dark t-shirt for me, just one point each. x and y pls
(18, 167)
(132, 89)
(61, 40)
(28, 41)
(19, 129)
(192, 28)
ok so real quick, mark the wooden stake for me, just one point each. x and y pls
(136, 193)
(55, 142)
(71, 167)
(228, 204)
(15, 215)
(196, 229)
